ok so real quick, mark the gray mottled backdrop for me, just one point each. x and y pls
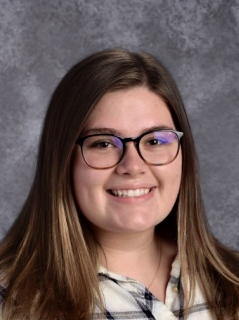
(197, 40)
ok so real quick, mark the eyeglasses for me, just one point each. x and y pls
(103, 151)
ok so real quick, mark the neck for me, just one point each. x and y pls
(145, 257)
(130, 254)
(126, 243)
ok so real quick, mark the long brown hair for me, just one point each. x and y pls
(48, 259)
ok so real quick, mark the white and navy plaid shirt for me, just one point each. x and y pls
(127, 299)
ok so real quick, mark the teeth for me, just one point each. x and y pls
(130, 193)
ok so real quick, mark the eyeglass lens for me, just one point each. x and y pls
(105, 151)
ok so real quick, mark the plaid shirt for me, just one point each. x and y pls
(127, 299)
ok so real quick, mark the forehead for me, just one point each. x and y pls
(130, 111)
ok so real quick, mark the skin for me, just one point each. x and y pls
(125, 226)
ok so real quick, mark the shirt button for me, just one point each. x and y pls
(175, 289)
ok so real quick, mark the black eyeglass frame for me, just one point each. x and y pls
(80, 141)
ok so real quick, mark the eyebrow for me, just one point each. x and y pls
(117, 133)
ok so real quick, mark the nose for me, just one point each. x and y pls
(131, 164)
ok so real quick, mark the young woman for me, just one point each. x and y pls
(114, 226)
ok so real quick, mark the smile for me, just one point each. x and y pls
(131, 193)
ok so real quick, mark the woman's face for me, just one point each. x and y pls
(128, 113)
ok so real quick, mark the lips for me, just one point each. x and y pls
(131, 193)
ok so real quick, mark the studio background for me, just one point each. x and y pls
(197, 40)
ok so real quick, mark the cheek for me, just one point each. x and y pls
(171, 173)
(82, 174)
(83, 189)
(177, 177)
(84, 182)
(177, 171)
(169, 180)
(88, 183)
(81, 177)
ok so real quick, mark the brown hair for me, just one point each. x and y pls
(48, 259)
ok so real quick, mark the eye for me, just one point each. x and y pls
(159, 139)
(156, 142)
(102, 144)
